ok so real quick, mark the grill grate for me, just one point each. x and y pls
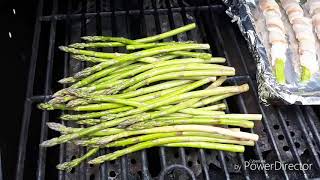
(287, 134)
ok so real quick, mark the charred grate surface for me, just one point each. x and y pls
(287, 134)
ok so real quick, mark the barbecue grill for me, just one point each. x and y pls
(288, 134)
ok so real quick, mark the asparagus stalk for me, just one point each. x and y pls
(148, 39)
(201, 145)
(279, 71)
(151, 45)
(90, 53)
(174, 75)
(118, 41)
(89, 107)
(215, 107)
(75, 117)
(96, 45)
(250, 117)
(67, 130)
(203, 121)
(148, 137)
(100, 141)
(166, 57)
(67, 166)
(89, 58)
(159, 50)
(213, 99)
(161, 141)
(90, 122)
(305, 74)
(192, 54)
(154, 88)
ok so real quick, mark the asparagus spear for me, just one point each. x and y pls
(279, 71)
(90, 53)
(96, 45)
(90, 122)
(201, 145)
(220, 106)
(161, 141)
(67, 166)
(192, 54)
(118, 41)
(75, 117)
(148, 137)
(174, 75)
(203, 128)
(89, 58)
(148, 39)
(67, 130)
(159, 50)
(151, 45)
(204, 121)
(154, 88)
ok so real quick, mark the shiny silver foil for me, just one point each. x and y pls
(244, 13)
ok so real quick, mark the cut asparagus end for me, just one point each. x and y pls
(209, 145)
(305, 74)
(279, 71)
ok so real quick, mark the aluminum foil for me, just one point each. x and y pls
(248, 16)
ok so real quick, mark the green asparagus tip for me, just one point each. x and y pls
(45, 106)
(91, 38)
(279, 71)
(67, 166)
(67, 80)
(55, 126)
(66, 117)
(77, 92)
(78, 57)
(78, 45)
(60, 93)
(49, 143)
(64, 48)
(305, 74)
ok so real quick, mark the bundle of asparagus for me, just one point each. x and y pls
(151, 97)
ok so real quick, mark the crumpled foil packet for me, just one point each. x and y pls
(248, 16)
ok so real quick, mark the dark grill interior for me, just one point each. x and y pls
(288, 134)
